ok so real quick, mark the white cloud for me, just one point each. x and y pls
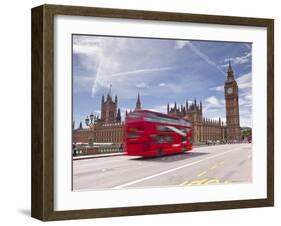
(97, 112)
(122, 62)
(180, 44)
(142, 85)
(238, 60)
(213, 107)
(244, 82)
(245, 116)
(245, 85)
(244, 78)
(189, 101)
(175, 88)
(249, 46)
(142, 71)
(159, 108)
(213, 101)
(162, 84)
(218, 88)
(85, 45)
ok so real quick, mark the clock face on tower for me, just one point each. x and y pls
(229, 90)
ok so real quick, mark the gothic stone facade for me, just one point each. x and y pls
(102, 133)
(203, 129)
(107, 129)
(109, 113)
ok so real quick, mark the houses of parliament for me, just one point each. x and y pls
(109, 128)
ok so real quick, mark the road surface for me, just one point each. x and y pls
(229, 163)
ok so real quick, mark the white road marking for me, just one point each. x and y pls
(173, 169)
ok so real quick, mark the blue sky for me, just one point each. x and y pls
(161, 71)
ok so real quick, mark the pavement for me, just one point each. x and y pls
(229, 163)
(97, 156)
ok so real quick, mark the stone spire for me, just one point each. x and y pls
(230, 75)
(118, 117)
(138, 104)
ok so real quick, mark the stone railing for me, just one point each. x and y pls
(95, 150)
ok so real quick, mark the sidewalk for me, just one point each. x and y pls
(97, 156)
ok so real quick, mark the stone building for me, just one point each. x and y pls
(102, 133)
(203, 129)
(109, 112)
(106, 129)
(80, 135)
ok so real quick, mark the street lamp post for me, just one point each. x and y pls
(90, 122)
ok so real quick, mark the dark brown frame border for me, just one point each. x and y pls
(42, 197)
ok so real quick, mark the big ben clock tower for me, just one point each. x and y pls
(231, 106)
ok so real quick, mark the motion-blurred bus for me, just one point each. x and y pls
(149, 133)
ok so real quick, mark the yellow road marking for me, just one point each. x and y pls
(212, 181)
(202, 173)
(221, 163)
(205, 181)
(214, 166)
(197, 182)
(184, 183)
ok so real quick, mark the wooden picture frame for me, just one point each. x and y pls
(42, 203)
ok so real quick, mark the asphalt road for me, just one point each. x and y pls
(230, 163)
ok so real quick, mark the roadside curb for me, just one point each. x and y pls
(97, 156)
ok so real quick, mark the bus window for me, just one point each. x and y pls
(164, 129)
(169, 139)
(133, 135)
(162, 139)
(134, 115)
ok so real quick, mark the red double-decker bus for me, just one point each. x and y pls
(149, 133)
